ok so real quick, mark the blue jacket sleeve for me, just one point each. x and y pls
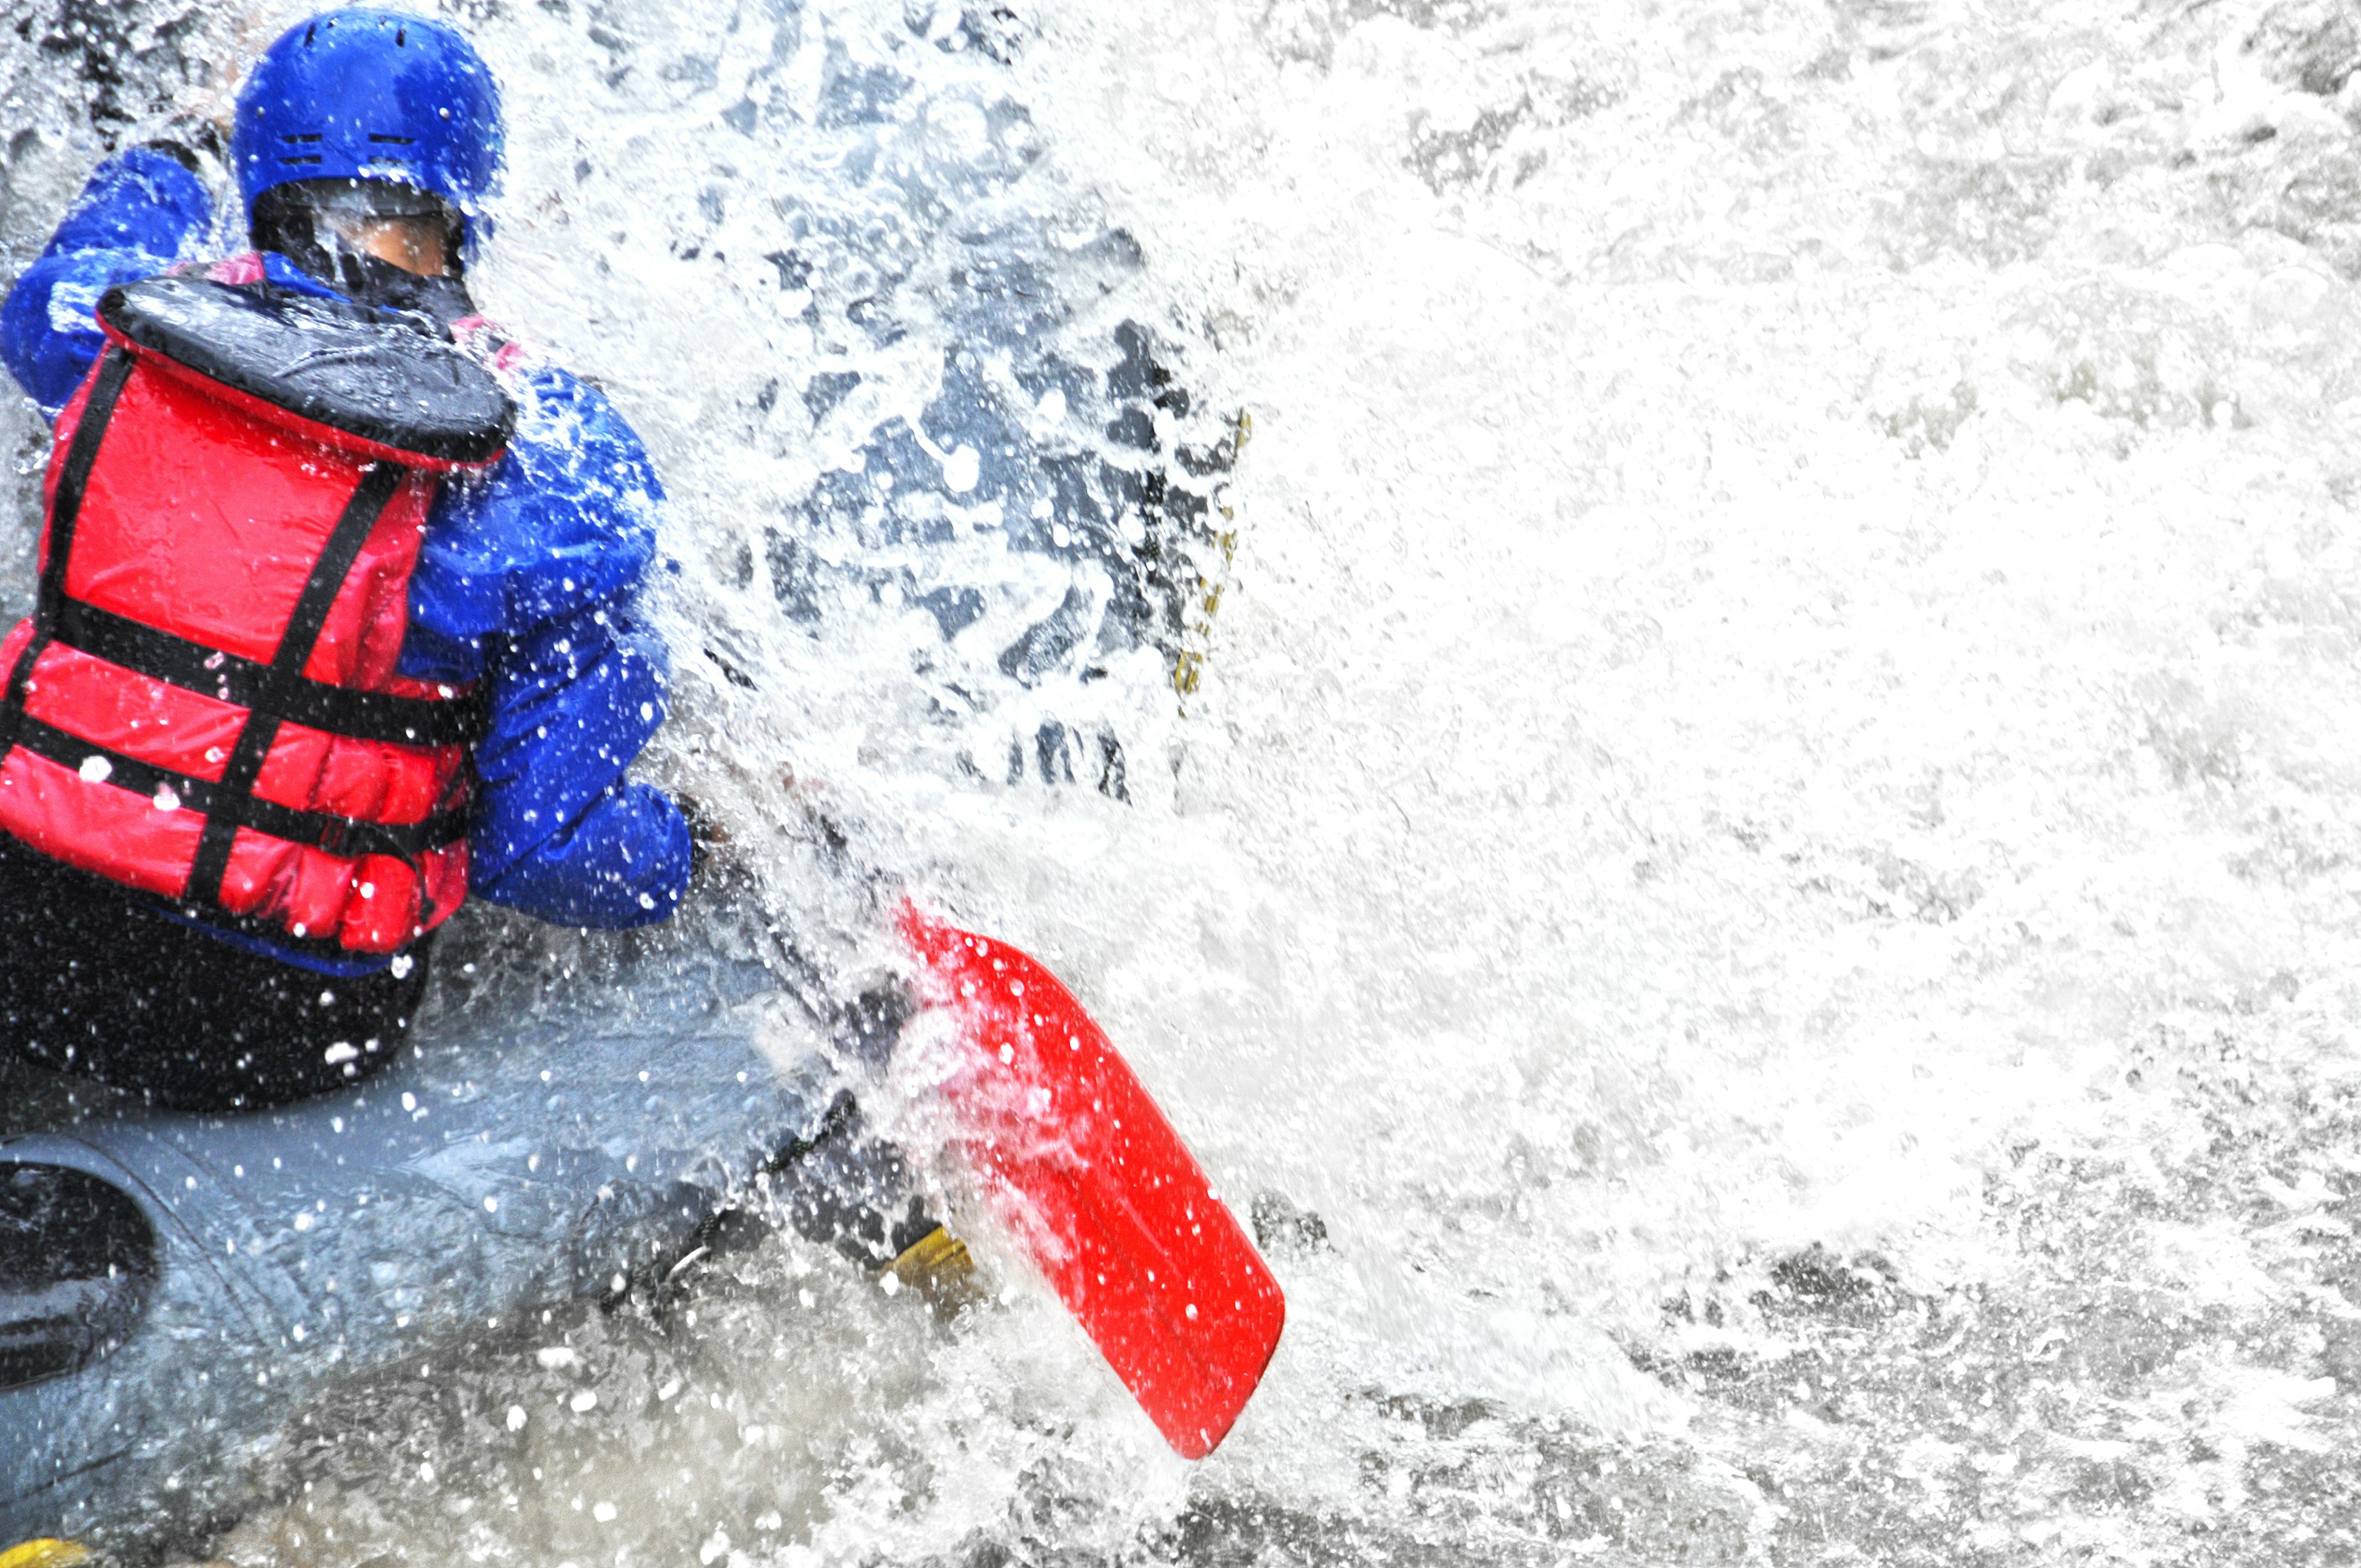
(526, 580)
(138, 213)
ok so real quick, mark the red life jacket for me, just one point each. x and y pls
(203, 705)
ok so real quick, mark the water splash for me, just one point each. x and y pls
(1763, 834)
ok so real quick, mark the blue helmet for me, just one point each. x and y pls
(369, 94)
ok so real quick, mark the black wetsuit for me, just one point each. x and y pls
(98, 980)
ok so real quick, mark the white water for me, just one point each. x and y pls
(1787, 682)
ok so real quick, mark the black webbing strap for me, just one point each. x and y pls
(234, 797)
(114, 367)
(316, 705)
(320, 829)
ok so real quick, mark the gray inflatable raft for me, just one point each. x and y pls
(219, 1271)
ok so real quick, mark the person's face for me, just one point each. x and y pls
(414, 245)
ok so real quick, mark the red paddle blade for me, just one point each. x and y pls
(1115, 1210)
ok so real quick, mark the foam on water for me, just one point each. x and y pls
(1766, 830)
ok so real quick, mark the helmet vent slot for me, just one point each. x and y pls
(390, 141)
(301, 136)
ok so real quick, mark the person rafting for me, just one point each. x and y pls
(336, 618)
(334, 622)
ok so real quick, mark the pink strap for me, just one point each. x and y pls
(246, 268)
(504, 354)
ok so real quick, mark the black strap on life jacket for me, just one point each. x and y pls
(271, 693)
(114, 367)
(320, 829)
(295, 644)
(315, 705)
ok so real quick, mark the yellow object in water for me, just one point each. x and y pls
(1189, 663)
(936, 1266)
(44, 1554)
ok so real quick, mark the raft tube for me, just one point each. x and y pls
(225, 1270)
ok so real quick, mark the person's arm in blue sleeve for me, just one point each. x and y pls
(528, 574)
(134, 218)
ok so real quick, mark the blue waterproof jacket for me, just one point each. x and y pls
(526, 579)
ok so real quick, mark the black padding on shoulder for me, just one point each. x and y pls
(334, 364)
